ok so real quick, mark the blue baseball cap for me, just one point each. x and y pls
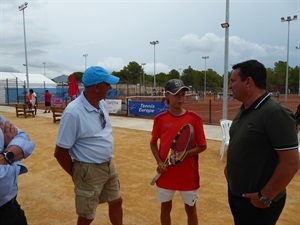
(97, 74)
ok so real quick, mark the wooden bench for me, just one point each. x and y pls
(22, 110)
(57, 113)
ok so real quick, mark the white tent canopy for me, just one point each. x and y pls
(35, 80)
(18, 80)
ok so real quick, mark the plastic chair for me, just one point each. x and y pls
(225, 126)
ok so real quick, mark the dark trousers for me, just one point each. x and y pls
(12, 214)
(244, 213)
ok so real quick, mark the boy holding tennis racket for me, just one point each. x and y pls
(181, 138)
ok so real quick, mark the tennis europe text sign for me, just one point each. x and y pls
(146, 108)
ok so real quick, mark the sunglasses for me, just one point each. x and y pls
(102, 118)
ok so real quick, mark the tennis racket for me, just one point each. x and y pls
(179, 148)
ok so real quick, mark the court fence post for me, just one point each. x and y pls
(209, 112)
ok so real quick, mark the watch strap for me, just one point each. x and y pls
(264, 200)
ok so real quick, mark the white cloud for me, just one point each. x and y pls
(192, 42)
(112, 64)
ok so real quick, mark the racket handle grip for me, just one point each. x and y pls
(153, 181)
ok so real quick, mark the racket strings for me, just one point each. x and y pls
(179, 146)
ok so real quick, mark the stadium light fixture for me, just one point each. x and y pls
(224, 25)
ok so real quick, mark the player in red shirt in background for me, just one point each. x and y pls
(47, 96)
(183, 177)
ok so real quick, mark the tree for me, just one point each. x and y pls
(271, 80)
(133, 74)
(78, 76)
(214, 81)
(173, 74)
(121, 75)
(161, 79)
(190, 77)
(279, 73)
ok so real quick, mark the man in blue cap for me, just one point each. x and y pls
(84, 148)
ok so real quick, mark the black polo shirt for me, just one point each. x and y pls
(256, 134)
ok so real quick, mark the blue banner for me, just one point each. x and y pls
(146, 108)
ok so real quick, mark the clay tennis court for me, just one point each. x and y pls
(46, 191)
(210, 107)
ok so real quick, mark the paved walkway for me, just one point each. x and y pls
(212, 132)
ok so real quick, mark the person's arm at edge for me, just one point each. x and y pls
(287, 167)
(64, 159)
(16, 140)
(21, 146)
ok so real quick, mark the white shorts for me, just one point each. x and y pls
(165, 195)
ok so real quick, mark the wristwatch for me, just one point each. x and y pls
(9, 156)
(264, 200)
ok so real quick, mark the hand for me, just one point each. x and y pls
(160, 167)
(255, 200)
(9, 132)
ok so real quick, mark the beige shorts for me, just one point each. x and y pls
(94, 184)
(165, 195)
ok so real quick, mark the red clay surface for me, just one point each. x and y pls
(211, 108)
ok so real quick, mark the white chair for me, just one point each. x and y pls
(225, 126)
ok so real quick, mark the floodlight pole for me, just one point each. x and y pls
(85, 56)
(298, 47)
(154, 79)
(44, 68)
(288, 19)
(204, 88)
(143, 64)
(22, 8)
(225, 78)
(180, 69)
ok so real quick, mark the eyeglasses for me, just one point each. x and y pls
(102, 118)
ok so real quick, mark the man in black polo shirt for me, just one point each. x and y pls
(263, 151)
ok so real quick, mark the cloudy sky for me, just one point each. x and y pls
(113, 33)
